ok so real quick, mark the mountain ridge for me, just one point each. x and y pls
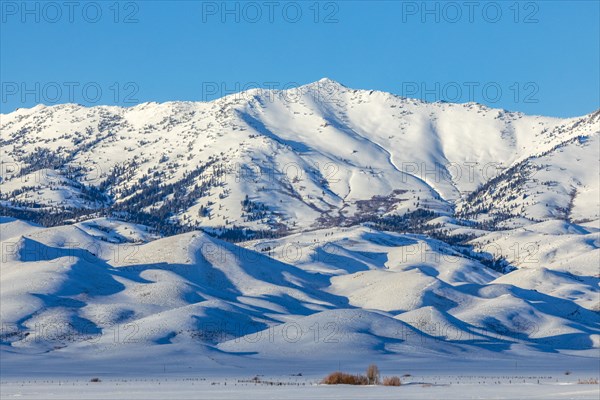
(316, 149)
(325, 80)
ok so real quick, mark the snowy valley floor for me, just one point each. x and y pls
(548, 376)
(518, 386)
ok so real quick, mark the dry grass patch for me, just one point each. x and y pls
(591, 381)
(341, 378)
(372, 377)
(391, 381)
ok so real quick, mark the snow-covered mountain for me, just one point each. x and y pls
(312, 157)
(365, 225)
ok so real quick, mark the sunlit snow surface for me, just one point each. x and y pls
(180, 316)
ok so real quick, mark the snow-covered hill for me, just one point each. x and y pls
(355, 291)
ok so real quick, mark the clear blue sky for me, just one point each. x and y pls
(544, 56)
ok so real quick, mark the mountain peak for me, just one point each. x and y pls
(325, 82)
(328, 80)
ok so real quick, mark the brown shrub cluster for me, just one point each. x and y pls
(341, 378)
(391, 381)
(372, 377)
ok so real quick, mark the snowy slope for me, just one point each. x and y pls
(318, 155)
(357, 291)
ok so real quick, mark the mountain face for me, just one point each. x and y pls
(317, 156)
(365, 225)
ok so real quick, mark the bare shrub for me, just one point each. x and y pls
(373, 375)
(391, 381)
(341, 378)
(591, 381)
